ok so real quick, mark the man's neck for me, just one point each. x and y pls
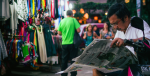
(69, 16)
(127, 25)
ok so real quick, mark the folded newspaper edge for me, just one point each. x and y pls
(100, 56)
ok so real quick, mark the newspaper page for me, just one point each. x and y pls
(101, 56)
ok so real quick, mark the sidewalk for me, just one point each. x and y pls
(23, 71)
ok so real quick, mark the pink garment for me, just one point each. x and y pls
(52, 9)
(129, 72)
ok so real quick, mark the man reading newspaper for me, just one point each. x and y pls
(119, 16)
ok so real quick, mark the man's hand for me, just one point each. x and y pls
(118, 42)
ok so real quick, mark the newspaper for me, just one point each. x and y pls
(101, 56)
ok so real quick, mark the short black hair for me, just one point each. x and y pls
(94, 26)
(120, 10)
(69, 13)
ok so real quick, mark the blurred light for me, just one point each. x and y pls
(80, 21)
(99, 21)
(144, 2)
(70, 6)
(74, 11)
(82, 10)
(106, 13)
(86, 15)
(62, 3)
(77, 17)
(95, 18)
(127, 1)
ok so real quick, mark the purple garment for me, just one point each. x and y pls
(39, 4)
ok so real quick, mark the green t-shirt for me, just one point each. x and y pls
(67, 27)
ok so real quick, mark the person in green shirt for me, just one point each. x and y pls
(67, 29)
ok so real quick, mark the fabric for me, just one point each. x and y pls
(104, 35)
(4, 8)
(39, 5)
(43, 5)
(52, 8)
(67, 29)
(35, 2)
(133, 33)
(68, 53)
(16, 49)
(50, 48)
(49, 7)
(3, 51)
(56, 8)
(22, 9)
(42, 46)
(89, 39)
(14, 17)
(31, 7)
(26, 53)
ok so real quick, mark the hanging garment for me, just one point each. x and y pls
(49, 7)
(22, 9)
(28, 7)
(42, 46)
(43, 5)
(35, 3)
(52, 9)
(33, 10)
(51, 51)
(3, 51)
(39, 5)
(14, 17)
(4, 8)
(56, 8)
(26, 55)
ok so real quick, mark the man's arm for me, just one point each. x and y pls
(78, 30)
(59, 33)
(120, 42)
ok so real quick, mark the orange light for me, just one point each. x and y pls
(127, 1)
(144, 2)
(82, 10)
(77, 17)
(74, 11)
(80, 21)
(99, 21)
(86, 15)
(95, 18)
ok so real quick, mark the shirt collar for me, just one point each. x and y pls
(129, 26)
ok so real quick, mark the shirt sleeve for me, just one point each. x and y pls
(146, 30)
(77, 25)
(117, 34)
(59, 27)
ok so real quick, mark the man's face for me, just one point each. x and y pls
(114, 21)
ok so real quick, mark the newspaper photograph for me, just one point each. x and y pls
(101, 56)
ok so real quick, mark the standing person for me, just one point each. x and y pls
(119, 15)
(105, 32)
(96, 30)
(67, 29)
(89, 35)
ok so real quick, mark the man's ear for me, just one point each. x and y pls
(126, 18)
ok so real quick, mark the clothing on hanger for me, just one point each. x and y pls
(41, 43)
(4, 8)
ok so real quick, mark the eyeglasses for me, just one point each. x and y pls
(115, 23)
